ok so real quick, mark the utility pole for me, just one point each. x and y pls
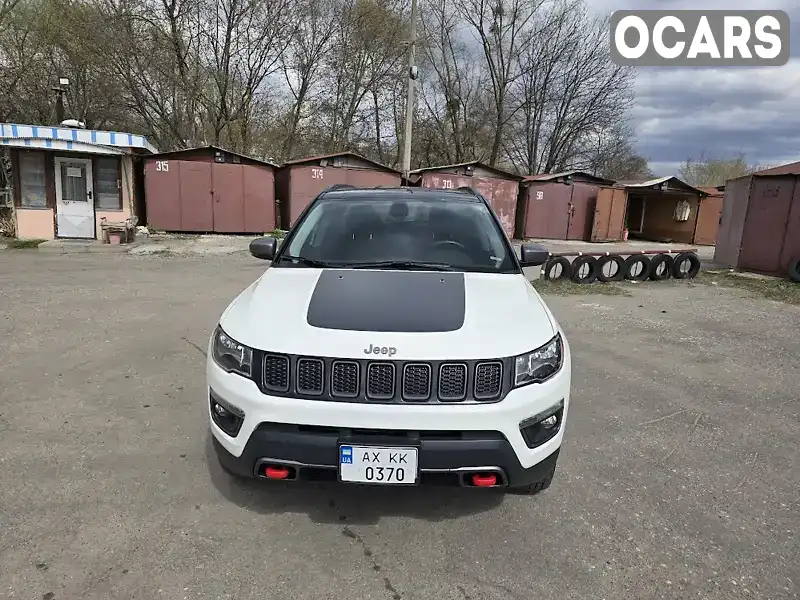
(410, 101)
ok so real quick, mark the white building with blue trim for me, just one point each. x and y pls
(66, 181)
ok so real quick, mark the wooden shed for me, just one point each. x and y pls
(209, 189)
(500, 187)
(558, 206)
(299, 181)
(661, 210)
(760, 226)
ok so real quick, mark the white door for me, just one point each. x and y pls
(74, 198)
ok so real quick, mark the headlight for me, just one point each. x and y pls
(231, 355)
(539, 365)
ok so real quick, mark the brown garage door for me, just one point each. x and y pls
(162, 187)
(228, 198)
(765, 224)
(197, 210)
(548, 211)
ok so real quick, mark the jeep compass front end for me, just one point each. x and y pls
(393, 340)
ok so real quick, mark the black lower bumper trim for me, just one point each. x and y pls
(314, 451)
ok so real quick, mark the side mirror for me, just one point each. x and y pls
(533, 255)
(264, 248)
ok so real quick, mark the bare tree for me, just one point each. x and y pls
(569, 88)
(502, 27)
(302, 61)
(453, 89)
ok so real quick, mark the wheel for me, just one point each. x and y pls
(558, 267)
(661, 267)
(584, 269)
(637, 267)
(686, 266)
(794, 270)
(616, 273)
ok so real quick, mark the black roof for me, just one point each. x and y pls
(400, 193)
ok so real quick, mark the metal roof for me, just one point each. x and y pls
(94, 141)
(789, 169)
(474, 163)
(658, 181)
(310, 159)
(215, 148)
(573, 173)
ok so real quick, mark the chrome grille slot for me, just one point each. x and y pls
(416, 382)
(344, 379)
(310, 376)
(380, 381)
(276, 373)
(452, 382)
(488, 380)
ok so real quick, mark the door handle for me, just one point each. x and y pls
(89, 194)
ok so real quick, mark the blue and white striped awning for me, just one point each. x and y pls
(92, 141)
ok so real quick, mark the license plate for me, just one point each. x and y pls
(380, 465)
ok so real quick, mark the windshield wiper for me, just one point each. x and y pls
(402, 265)
(310, 262)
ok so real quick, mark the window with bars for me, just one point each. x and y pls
(107, 184)
(32, 183)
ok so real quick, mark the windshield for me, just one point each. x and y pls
(446, 234)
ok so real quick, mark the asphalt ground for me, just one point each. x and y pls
(678, 477)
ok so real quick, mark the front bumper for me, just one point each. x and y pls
(450, 437)
(312, 455)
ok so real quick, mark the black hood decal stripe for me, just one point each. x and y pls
(388, 301)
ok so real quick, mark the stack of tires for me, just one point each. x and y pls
(613, 267)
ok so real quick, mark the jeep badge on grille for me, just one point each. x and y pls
(390, 350)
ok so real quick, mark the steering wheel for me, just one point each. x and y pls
(457, 245)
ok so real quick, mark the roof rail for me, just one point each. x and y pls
(338, 186)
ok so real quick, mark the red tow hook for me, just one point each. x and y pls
(484, 479)
(276, 472)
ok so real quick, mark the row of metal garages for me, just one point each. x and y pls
(210, 189)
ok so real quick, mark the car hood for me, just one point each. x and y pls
(423, 315)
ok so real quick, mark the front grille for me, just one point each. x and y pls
(344, 379)
(383, 381)
(380, 381)
(310, 376)
(488, 380)
(452, 382)
(276, 373)
(416, 382)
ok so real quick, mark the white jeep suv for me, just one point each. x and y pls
(393, 340)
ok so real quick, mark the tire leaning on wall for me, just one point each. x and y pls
(577, 266)
(794, 270)
(678, 271)
(630, 267)
(661, 267)
(618, 261)
(557, 261)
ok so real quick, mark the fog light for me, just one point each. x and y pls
(225, 416)
(542, 427)
(550, 422)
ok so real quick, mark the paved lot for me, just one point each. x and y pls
(679, 477)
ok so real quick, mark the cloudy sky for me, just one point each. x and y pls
(682, 113)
